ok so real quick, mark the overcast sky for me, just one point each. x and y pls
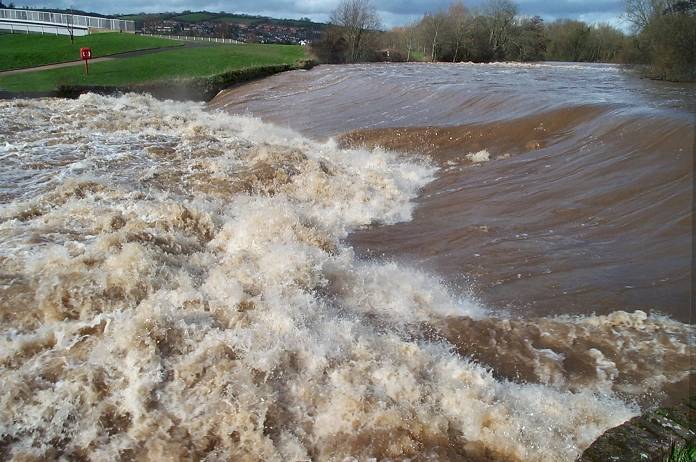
(392, 12)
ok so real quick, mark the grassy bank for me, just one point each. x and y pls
(190, 73)
(172, 65)
(191, 89)
(20, 50)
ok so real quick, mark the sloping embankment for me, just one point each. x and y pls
(190, 89)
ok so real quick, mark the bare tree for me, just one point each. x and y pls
(411, 39)
(640, 12)
(71, 25)
(667, 33)
(405, 38)
(433, 24)
(502, 15)
(457, 15)
(356, 18)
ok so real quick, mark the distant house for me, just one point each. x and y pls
(261, 30)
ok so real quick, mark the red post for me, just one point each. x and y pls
(86, 55)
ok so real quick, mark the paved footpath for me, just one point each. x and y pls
(127, 54)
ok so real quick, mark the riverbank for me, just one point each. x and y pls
(192, 89)
(195, 72)
(650, 437)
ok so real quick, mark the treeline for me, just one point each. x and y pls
(493, 33)
(570, 40)
(664, 37)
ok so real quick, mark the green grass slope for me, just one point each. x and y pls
(167, 65)
(19, 50)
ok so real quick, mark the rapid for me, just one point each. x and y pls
(421, 266)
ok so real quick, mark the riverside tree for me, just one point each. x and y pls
(457, 16)
(501, 17)
(355, 20)
(639, 12)
(666, 36)
(497, 32)
(432, 26)
(529, 41)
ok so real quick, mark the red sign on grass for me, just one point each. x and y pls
(86, 55)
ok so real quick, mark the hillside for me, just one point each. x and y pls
(242, 27)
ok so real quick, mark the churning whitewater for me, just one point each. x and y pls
(175, 284)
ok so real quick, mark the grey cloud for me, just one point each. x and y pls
(570, 8)
(393, 12)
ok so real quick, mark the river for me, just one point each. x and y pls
(433, 262)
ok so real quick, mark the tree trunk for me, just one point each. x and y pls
(432, 50)
(355, 37)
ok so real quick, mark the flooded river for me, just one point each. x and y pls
(423, 262)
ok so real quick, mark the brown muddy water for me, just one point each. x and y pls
(434, 262)
(562, 189)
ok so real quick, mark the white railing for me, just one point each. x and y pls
(188, 38)
(26, 28)
(74, 21)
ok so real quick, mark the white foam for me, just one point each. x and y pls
(478, 157)
(211, 308)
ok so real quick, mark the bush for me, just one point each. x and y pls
(332, 48)
(671, 43)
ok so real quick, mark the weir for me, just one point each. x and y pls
(197, 282)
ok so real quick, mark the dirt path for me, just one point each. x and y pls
(127, 54)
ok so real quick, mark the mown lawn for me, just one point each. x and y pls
(20, 50)
(171, 64)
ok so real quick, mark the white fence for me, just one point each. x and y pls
(58, 23)
(196, 39)
(25, 28)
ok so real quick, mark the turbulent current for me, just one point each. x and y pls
(182, 283)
